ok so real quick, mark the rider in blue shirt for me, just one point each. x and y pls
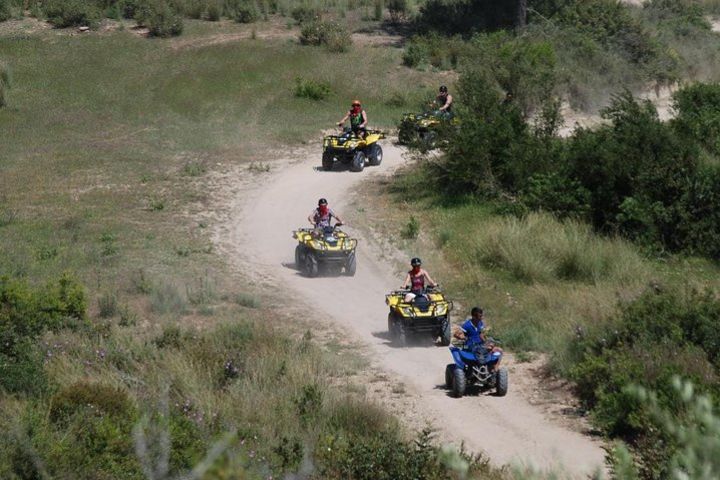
(473, 332)
(472, 329)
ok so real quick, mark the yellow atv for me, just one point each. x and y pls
(423, 129)
(349, 148)
(429, 313)
(327, 247)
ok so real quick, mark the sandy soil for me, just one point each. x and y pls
(258, 241)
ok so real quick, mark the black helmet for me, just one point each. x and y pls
(416, 262)
(443, 88)
(322, 201)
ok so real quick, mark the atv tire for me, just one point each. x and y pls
(299, 257)
(375, 155)
(449, 374)
(358, 162)
(397, 333)
(429, 140)
(311, 265)
(458, 384)
(446, 334)
(351, 265)
(501, 382)
(327, 161)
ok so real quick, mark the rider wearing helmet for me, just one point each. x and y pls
(444, 100)
(322, 216)
(416, 279)
(358, 119)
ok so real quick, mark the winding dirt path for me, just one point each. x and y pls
(508, 430)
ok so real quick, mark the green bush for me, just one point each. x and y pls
(558, 195)
(305, 14)
(5, 12)
(160, 18)
(398, 9)
(697, 109)
(657, 337)
(312, 89)
(25, 314)
(90, 399)
(466, 16)
(332, 35)
(71, 13)
(440, 52)
(243, 11)
(414, 55)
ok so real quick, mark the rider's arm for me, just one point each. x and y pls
(364, 122)
(448, 102)
(339, 220)
(344, 118)
(311, 218)
(430, 280)
(406, 282)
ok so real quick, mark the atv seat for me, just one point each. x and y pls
(422, 303)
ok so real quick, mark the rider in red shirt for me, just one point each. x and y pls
(416, 280)
(322, 217)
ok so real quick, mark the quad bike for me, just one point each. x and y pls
(324, 247)
(429, 313)
(473, 368)
(352, 149)
(423, 129)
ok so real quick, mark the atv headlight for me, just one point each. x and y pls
(317, 245)
(408, 312)
(441, 309)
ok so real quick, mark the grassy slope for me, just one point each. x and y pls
(539, 279)
(108, 146)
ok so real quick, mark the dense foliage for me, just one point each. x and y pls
(659, 336)
(25, 314)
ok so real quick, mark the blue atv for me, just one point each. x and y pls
(473, 368)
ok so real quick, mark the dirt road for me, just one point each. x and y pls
(508, 430)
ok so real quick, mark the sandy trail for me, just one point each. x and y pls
(508, 430)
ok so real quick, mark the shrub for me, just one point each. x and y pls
(166, 298)
(398, 10)
(466, 16)
(414, 55)
(86, 398)
(557, 194)
(107, 305)
(332, 35)
(5, 12)
(243, 11)
(440, 52)
(213, 10)
(411, 230)
(305, 14)
(25, 314)
(71, 13)
(697, 118)
(312, 89)
(162, 21)
(658, 336)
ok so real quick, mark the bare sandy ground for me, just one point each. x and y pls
(509, 430)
